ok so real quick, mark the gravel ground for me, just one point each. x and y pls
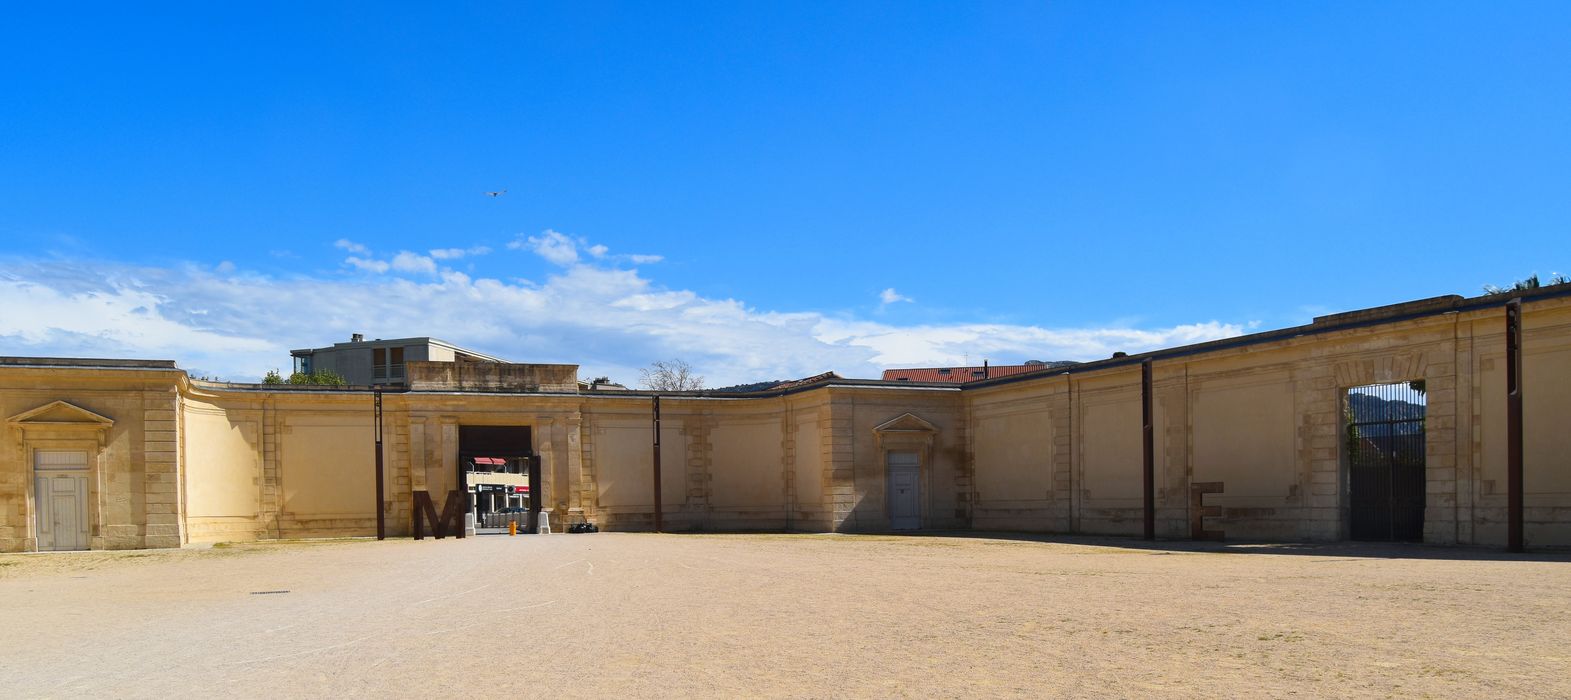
(785, 615)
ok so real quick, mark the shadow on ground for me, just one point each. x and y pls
(1358, 550)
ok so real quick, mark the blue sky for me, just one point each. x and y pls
(765, 190)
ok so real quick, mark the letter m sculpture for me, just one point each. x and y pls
(452, 519)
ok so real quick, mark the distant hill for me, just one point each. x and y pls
(1365, 408)
(777, 384)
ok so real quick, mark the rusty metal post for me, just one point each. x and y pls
(381, 511)
(1514, 425)
(659, 516)
(1147, 439)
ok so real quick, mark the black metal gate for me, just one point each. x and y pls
(1385, 455)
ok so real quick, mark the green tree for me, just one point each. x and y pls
(1529, 283)
(272, 377)
(321, 378)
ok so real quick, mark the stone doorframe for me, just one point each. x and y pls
(61, 426)
(907, 432)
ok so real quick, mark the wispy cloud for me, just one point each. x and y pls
(562, 249)
(369, 265)
(456, 253)
(890, 296)
(556, 247)
(406, 261)
(351, 246)
(592, 311)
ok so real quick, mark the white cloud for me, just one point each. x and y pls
(352, 246)
(377, 266)
(557, 248)
(611, 321)
(117, 317)
(456, 253)
(564, 250)
(406, 261)
(890, 296)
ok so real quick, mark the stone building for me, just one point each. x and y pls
(1256, 437)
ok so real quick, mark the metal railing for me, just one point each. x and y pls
(500, 520)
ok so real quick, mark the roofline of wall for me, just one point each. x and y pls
(1395, 313)
(88, 363)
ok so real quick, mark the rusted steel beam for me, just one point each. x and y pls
(452, 514)
(1147, 438)
(1199, 511)
(536, 495)
(1514, 541)
(381, 510)
(659, 515)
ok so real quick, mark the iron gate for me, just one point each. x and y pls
(1385, 449)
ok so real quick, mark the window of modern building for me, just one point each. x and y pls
(387, 363)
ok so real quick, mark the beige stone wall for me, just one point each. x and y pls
(223, 460)
(1546, 399)
(725, 464)
(810, 463)
(134, 476)
(174, 461)
(1020, 452)
(1266, 421)
(491, 376)
(859, 453)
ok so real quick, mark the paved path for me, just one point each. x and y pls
(778, 615)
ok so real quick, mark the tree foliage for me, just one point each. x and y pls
(1529, 283)
(670, 375)
(322, 378)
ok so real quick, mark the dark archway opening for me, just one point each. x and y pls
(500, 472)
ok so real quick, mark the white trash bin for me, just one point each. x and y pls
(544, 526)
(469, 524)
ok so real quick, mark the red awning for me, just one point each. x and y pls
(497, 461)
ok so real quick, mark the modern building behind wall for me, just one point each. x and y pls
(1386, 423)
(381, 362)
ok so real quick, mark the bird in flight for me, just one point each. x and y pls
(497, 193)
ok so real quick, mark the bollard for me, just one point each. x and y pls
(512, 528)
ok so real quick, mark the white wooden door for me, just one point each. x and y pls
(905, 503)
(60, 494)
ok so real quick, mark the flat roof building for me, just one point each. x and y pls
(369, 362)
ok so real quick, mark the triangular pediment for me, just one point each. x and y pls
(906, 423)
(60, 414)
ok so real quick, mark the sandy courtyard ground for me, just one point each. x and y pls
(784, 615)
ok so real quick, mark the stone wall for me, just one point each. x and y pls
(1258, 423)
(491, 376)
